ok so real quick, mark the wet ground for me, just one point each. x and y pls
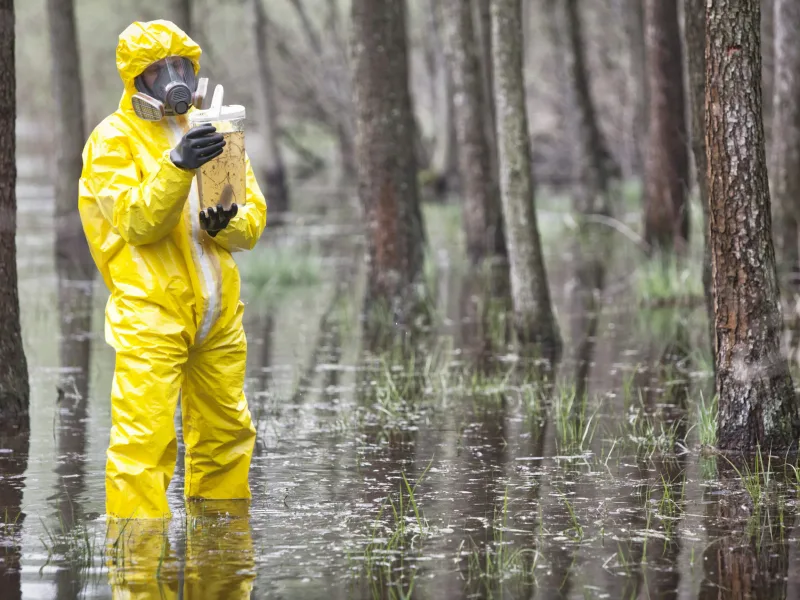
(455, 473)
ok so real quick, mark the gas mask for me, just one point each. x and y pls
(168, 88)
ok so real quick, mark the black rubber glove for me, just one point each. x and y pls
(215, 218)
(198, 146)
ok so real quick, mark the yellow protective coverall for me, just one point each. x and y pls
(174, 315)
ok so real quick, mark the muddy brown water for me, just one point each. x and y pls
(511, 499)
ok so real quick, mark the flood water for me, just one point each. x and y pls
(451, 481)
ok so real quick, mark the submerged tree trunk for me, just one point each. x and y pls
(666, 213)
(274, 170)
(757, 403)
(695, 32)
(387, 170)
(13, 465)
(535, 323)
(471, 112)
(593, 195)
(14, 386)
(785, 148)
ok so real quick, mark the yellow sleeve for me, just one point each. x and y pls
(246, 227)
(142, 212)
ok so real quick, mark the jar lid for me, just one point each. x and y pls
(227, 113)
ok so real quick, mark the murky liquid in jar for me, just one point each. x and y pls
(222, 180)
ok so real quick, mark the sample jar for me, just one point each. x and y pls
(222, 180)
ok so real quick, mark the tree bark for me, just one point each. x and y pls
(274, 169)
(768, 65)
(593, 195)
(695, 32)
(14, 386)
(756, 397)
(471, 112)
(387, 169)
(666, 213)
(785, 148)
(533, 313)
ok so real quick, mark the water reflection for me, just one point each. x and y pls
(521, 500)
(217, 562)
(14, 447)
(748, 556)
(75, 313)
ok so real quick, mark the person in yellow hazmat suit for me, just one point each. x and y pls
(174, 315)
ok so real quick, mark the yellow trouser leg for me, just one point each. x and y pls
(142, 451)
(217, 428)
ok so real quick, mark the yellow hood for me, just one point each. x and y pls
(143, 43)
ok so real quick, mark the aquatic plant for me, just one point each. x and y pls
(491, 565)
(707, 421)
(396, 538)
(574, 429)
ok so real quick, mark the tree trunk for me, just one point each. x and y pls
(768, 65)
(480, 195)
(74, 265)
(445, 155)
(182, 9)
(483, 16)
(593, 195)
(666, 213)
(14, 386)
(533, 313)
(633, 19)
(785, 148)
(756, 396)
(695, 32)
(274, 170)
(387, 169)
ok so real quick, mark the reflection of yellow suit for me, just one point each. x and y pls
(219, 559)
(174, 316)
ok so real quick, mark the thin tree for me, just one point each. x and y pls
(483, 20)
(695, 32)
(14, 386)
(534, 321)
(666, 213)
(593, 195)
(481, 200)
(274, 169)
(757, 404)
(387, 169)
(182, 9)
(74, 265)
(633, 20)
(785, 147)
(445, 153)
